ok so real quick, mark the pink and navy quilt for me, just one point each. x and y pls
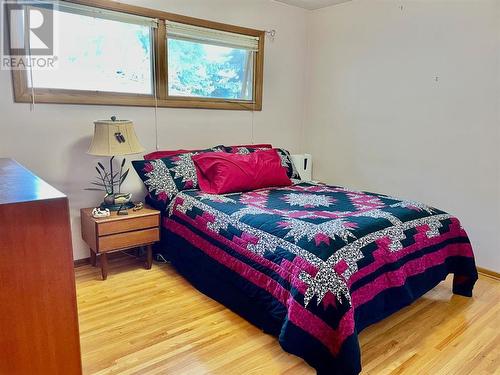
(315, 264)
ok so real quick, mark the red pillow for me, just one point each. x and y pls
(220, 173)
(165, 154)
(259, 146)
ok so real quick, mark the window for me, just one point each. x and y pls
(208, 71)
(127, 55)
(99, 53)
(210, 63)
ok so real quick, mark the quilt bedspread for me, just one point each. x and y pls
(318, 263)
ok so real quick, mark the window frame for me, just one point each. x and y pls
(23, 93)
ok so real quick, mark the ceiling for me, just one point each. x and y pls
(312, 4)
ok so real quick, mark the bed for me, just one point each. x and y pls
(315, 264)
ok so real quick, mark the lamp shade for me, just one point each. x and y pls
(114, 138)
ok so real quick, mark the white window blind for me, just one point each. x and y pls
(198, 34)
(89, 11)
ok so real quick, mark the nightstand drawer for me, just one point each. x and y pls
(128, 239)
(127, 225)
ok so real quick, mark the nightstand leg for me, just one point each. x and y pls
(93, 258)
(104, 265)
(149, 257)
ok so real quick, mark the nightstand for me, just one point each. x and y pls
(116, 232)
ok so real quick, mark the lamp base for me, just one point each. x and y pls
(117, 207)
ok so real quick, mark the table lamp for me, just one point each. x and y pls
(113, 138)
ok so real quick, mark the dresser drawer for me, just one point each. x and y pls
(128, 239)
(127, 225)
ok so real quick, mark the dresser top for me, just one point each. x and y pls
(17, 184)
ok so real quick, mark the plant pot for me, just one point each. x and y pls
(114, 202)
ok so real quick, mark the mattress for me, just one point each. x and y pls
(315, 264)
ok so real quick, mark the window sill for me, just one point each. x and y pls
(60, 96)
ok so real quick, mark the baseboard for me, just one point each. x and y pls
(81, 262)
(85, 261)
(489, 273)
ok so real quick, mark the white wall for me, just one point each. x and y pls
(52, 139)
(375, 117)
(378, 120)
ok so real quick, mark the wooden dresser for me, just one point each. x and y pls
(38, 313)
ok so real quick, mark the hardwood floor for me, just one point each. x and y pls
(154, 322)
